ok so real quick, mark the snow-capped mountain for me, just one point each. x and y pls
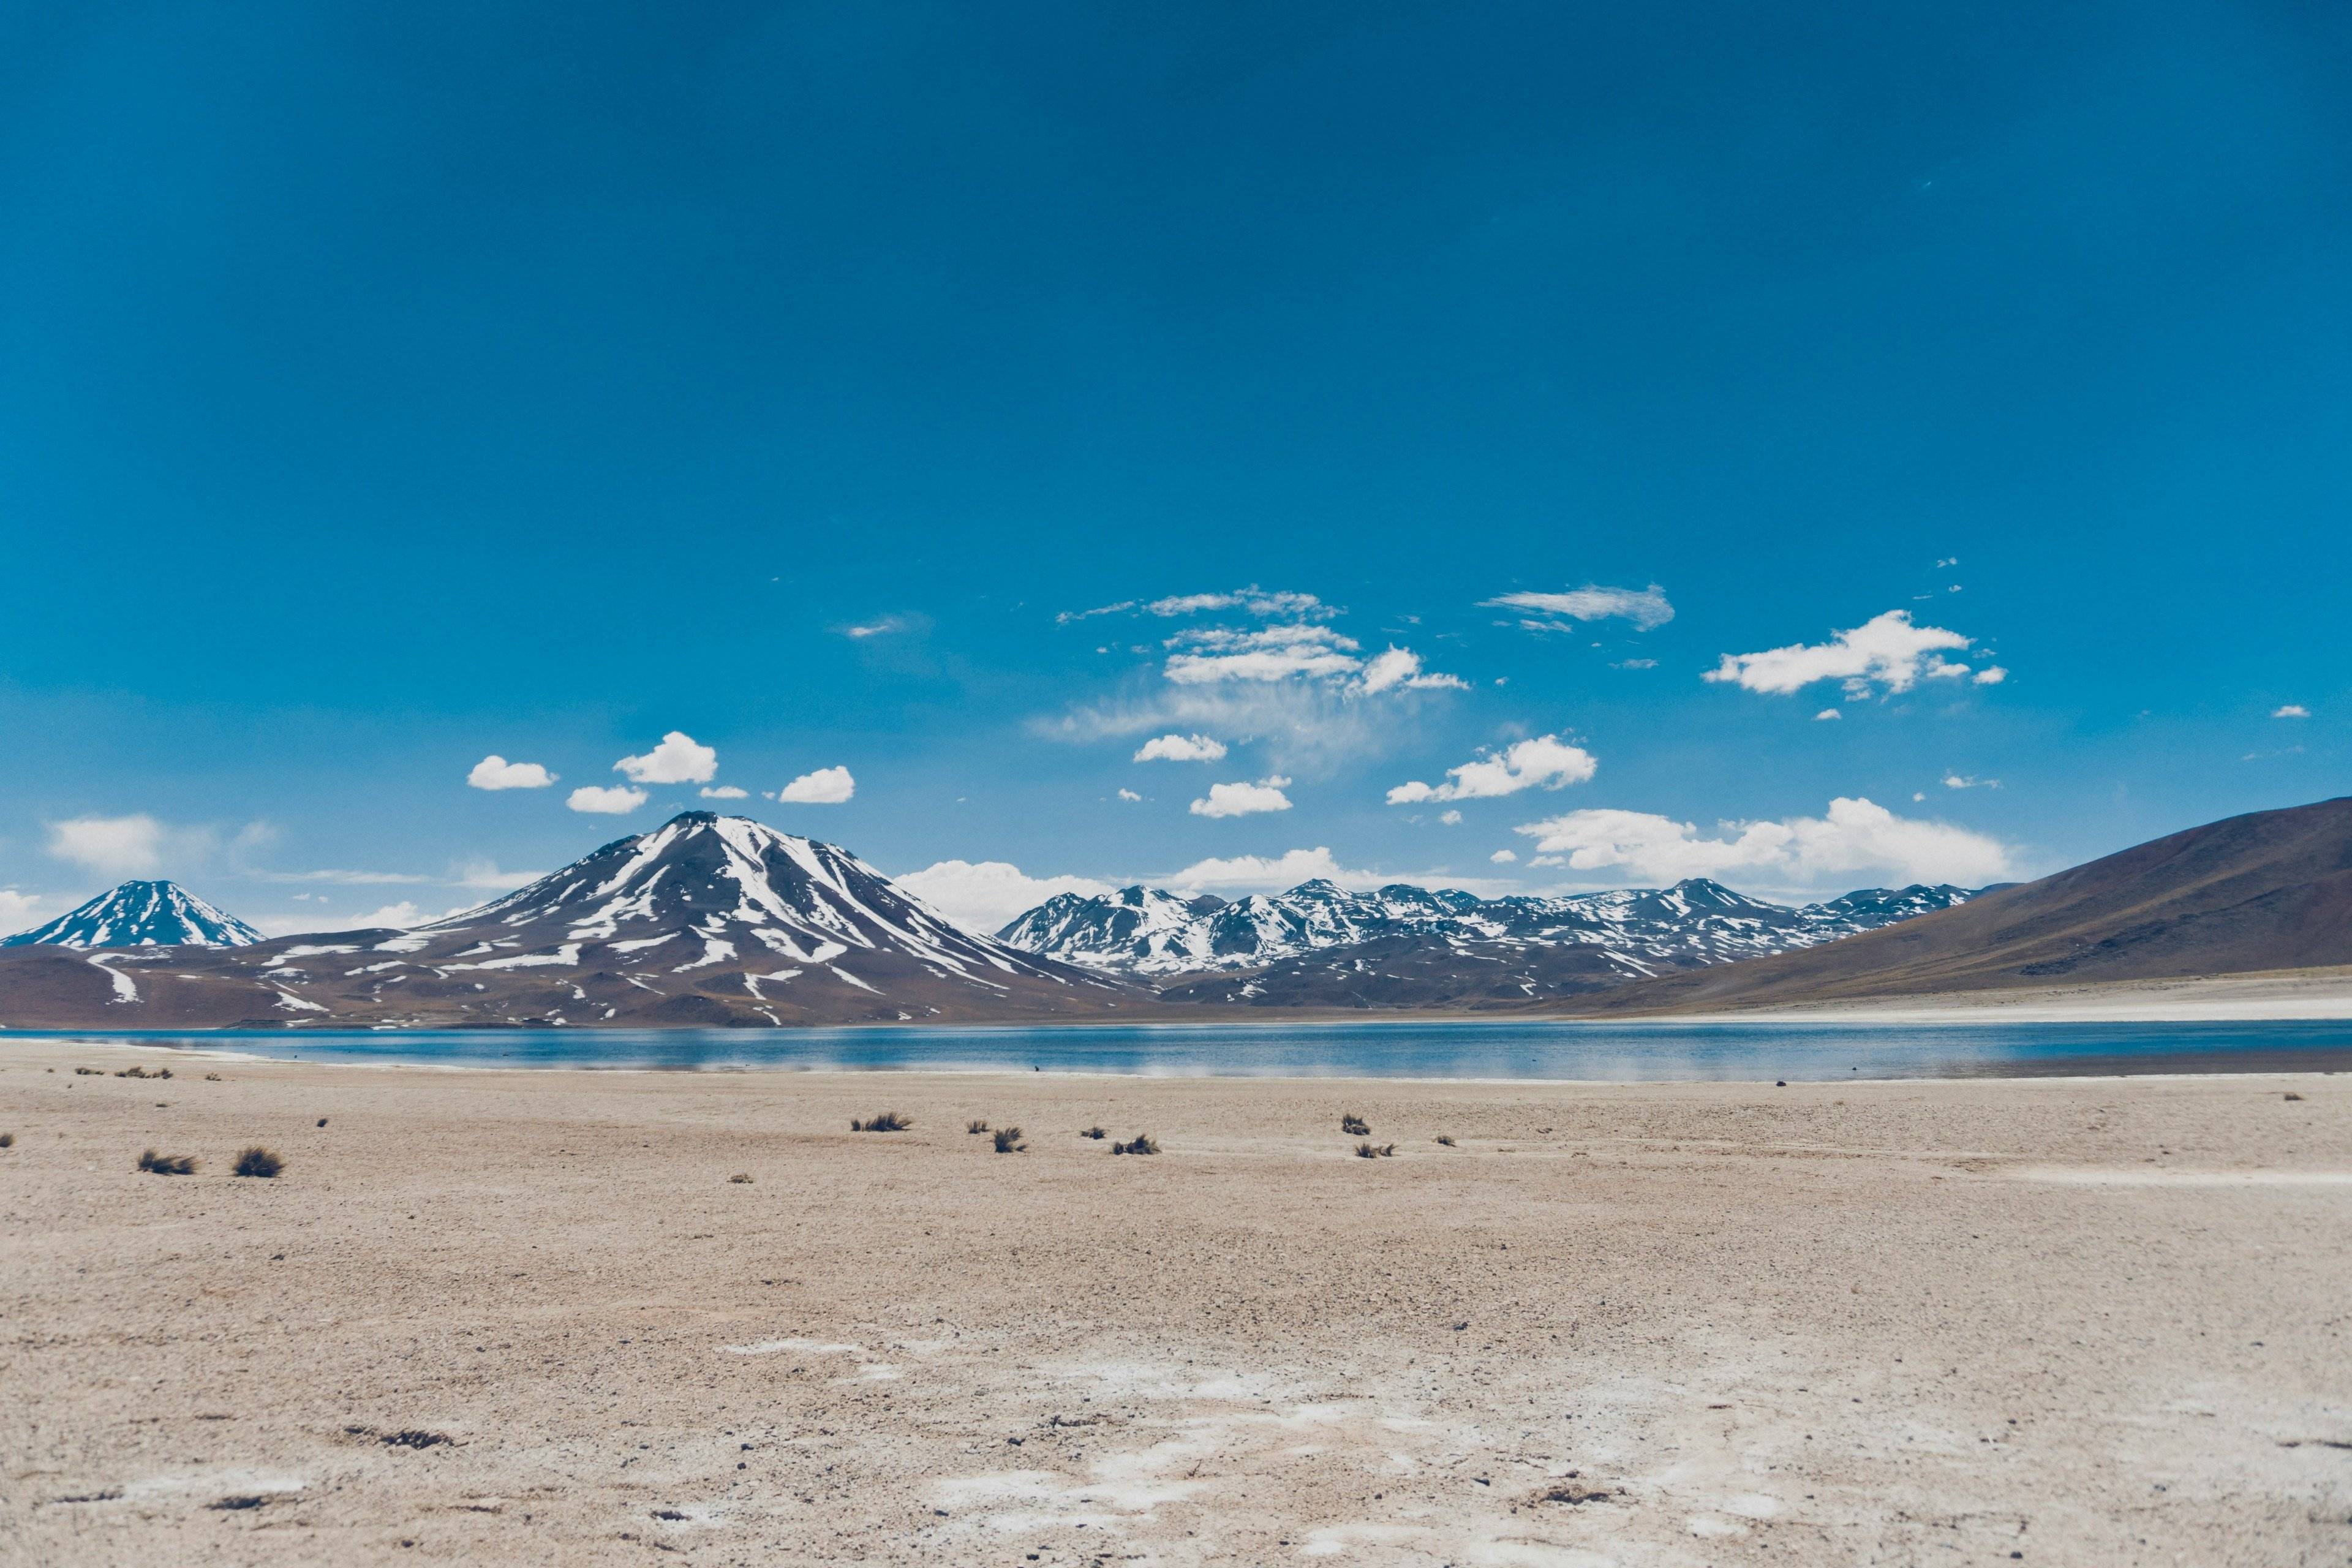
(1145, 931)
(143, 914)
(705, 920)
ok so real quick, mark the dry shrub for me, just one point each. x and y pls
(1094, 1132)
(742, 1178)
(89, 1072)
(167, 1164)
(1140, 1143)
(7, 1139)
(2291, 1095)
(1008, 1141)
(975, 1125)
(1375, 1151)
(1353, 1125)
(415, 1437)
(885, 1121)
(1446, 1138)
(258, 1162)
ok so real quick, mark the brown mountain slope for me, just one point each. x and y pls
(2265, 892)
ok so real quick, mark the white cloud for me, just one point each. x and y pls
(1545, 761)
(400, 916)
(1451, 818)
(1826, 714)
(722, 792)
(494, 772)
(825, 786)
(1502, 858)
(1645, 607)
(1856, 837)
(484, 876)
(1402, 667)
(112, 846)
(1302, 723)
(1886, 653)
(1244, 799)
(1286, 870)
(1957, 781)
(21, 911)
(1270, 653)
(1128, 794)
(875, 628)
(2290, 711)
(603, 802)
(679, 759)
(1635, 664)
(1182, 749)
(982, 896)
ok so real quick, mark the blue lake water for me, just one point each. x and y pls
(1478, 1048)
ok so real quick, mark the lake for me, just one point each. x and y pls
(1467, 1049)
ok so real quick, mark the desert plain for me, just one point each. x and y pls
(533, 1317)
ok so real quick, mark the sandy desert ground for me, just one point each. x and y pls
(528, 1318)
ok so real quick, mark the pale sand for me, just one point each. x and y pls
(2317, 993)
(2089, 1322)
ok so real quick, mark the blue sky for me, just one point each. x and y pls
(386, 390)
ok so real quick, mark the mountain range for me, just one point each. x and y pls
(720, 920)
(1398, 946)
(705, 919)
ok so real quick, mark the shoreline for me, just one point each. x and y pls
(2272, 996)
(2322, 1061)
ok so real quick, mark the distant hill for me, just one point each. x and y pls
(2269, 890)
(704, 921)
(142, 914)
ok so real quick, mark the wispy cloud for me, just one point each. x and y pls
(1267, 604)
(131, 846)
(1647, 607)
(2290, 711)
(1270, 653)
